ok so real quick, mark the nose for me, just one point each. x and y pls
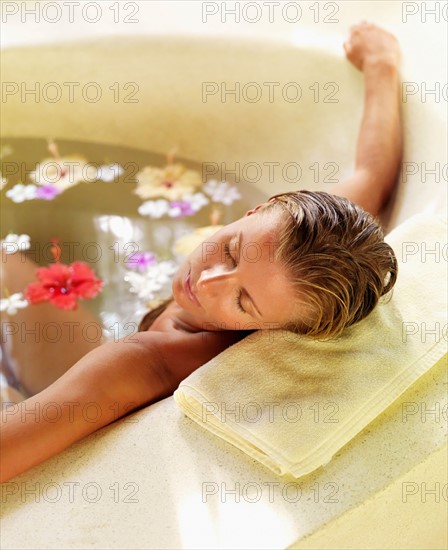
(217, 278)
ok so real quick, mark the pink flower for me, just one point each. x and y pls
(179, 209)
(47, 192)
(141, 260)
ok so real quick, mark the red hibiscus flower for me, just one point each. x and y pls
(63, 285)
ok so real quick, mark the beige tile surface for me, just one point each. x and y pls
(420, 501)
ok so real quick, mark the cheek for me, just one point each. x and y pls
(220, 310)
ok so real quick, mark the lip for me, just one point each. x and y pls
(189, 292)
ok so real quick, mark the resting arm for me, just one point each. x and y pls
(379, 147)
(117, 377)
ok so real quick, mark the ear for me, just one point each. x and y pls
(249, 212)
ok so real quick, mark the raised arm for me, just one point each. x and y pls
(106, 384)
(375, 52)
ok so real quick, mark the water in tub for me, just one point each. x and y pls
(130, 214)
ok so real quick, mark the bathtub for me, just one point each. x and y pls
(155, 479)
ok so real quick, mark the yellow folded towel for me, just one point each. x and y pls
(291, 403)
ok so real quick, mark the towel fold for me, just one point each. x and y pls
(291, 402)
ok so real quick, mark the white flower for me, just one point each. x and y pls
(174, 211)
(211, 186)
(154, 209)
(20, 192)
(163, 270)
(197, 200)
(222, 192)
(145, 285)
(109, 172)
(12, 243)
(13, 303)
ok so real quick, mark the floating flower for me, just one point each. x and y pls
(109, 172)
(187, 243)
(13, 243)
(222, 192)
(154, 209)
(13, 303)
(47, 192)
(141, 260)
(196, 200)
(172, 182)
(60, 172)
(21, 193)
(153, 280)
(179, 209)
(63, 285)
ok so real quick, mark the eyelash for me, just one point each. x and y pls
(238, 299)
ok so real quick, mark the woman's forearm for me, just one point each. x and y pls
(103, 386)
(380, 141)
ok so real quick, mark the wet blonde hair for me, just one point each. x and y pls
(335, 254)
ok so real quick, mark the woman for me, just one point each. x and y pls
(309, 262)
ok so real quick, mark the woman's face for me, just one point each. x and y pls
(236, 265)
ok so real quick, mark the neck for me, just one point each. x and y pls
(183, 319)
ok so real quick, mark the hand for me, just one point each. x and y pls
(369, 45)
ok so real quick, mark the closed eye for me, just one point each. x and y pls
(228, 255)
(240, 293)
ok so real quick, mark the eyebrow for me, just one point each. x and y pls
(239, 236)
